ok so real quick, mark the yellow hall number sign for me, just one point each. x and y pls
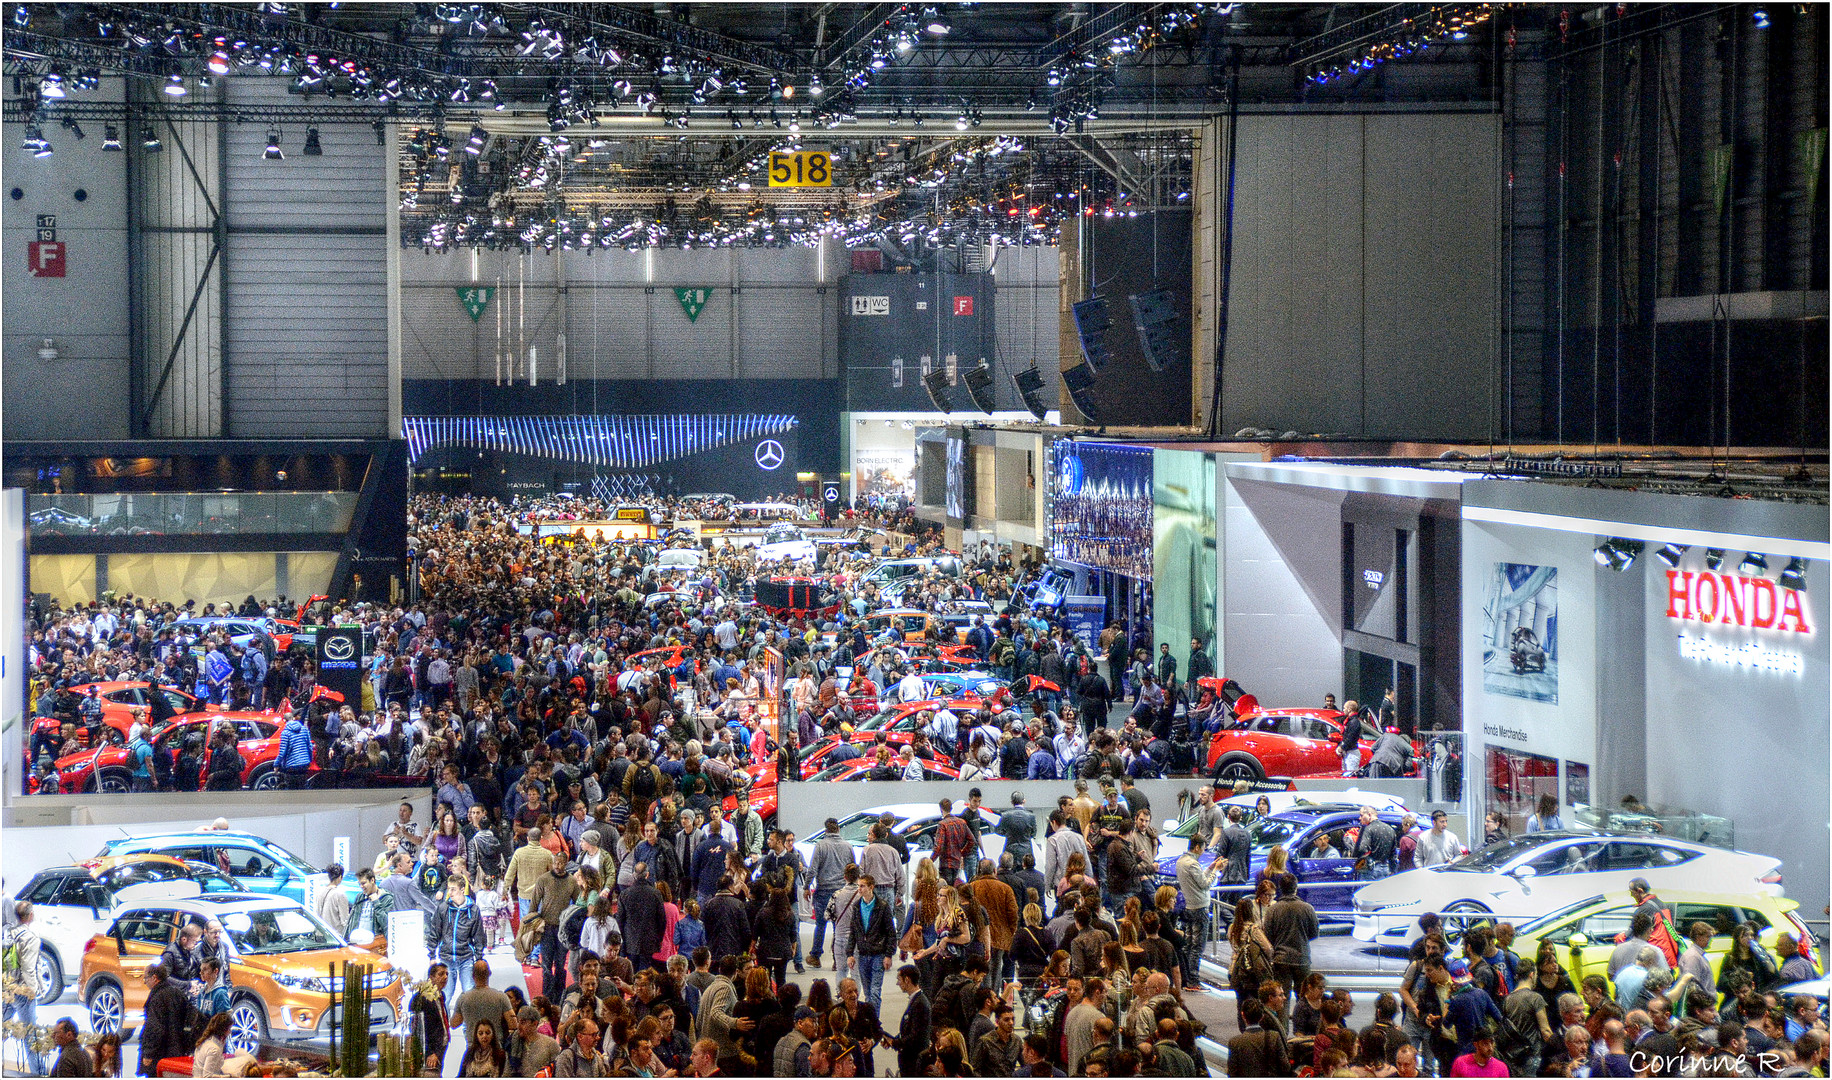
(812, 168)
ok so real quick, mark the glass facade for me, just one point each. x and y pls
(191, 513)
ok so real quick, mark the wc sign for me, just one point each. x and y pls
(45, 255)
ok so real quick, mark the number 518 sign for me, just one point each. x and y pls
(805, 169)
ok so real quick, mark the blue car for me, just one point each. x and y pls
(256, 863)
(1326, 875)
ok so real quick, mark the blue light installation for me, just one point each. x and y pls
(617, 442)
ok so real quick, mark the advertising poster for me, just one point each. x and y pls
(407, 942)
(1520, 632)
(1184, 569)
(1085, 616)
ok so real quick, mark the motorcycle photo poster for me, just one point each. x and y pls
(1520, 646)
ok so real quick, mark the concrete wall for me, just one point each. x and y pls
(1362, 271)
(84, 392)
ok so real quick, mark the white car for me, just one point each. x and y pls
(72, 904)
(784, 542)
(1532, 875)
(916, 823)
(1174, 840)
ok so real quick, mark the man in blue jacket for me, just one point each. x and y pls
(295, 750)
(454, 933)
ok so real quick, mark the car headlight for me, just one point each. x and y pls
(302, 982)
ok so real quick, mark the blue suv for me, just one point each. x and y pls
(1326, 875)
(256, 863)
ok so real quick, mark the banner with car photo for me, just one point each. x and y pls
(1520, 642)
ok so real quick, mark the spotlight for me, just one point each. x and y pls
(175, 86)
(815, 89)
(149, 140)
(960, 122)
(475, 144)
(76, 129)
(51, 86)
(1760, 18)
(273, 151)
(218, 63)
(111, 138)
(312, 147)
(1616, 553)
(1754, 564)
(1795, 576)
(381, 132)
(1714, 559)
(933, 21)
(1671, 554)
(35, 141)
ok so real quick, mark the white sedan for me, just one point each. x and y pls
(916, 823)
(1528, 876)
(784, 543)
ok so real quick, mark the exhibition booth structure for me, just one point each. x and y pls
(1652, 661)
(1655, 662)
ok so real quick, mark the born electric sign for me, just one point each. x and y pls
(1734, 600)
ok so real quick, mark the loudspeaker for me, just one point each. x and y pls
(1091, 325)
(1161, 333)
(936, 383)
(979, 385)
(1030, 387)
(1080, 383)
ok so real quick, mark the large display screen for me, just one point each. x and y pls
(1100, 506)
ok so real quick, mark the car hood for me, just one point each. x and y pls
(1433, 883)
(83, 759)
(315, 962)
(1167, 864)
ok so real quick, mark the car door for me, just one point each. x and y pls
(143, 936)
(1329, 884)
(1588, 942)
(61, 916)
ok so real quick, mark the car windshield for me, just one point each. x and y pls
(857, 829)
(1270, 832)
(1551, 919)
(281, 930)
(782, 534)
(1494, 857)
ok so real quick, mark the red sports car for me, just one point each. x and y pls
(1280, 742)
(859, 769)
(108, 769)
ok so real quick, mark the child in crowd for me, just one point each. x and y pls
(489, 906)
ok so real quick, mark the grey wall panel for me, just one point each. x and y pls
(1361, 273)
(607, 334)
(623, 319)
(344, 189)
(83, 393)
(1025, 320)
(307, 335)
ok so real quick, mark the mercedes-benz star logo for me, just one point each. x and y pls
(769, 454)
(339, 648)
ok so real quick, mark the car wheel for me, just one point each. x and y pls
(105, 1008)
(1239, 767)
(1462, 917)
(50, 977)
(247, 1026)
(268, 780)
(114, 782)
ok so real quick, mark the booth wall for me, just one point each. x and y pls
(1281, 591)
(1751, 746)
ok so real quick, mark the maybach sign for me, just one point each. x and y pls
(1734, 600)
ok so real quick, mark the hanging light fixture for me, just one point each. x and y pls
(51, 86)
(111, 138)
(174, 86)
(1754, 564)
(149, 140)
(1795, 576)
(312, 147)
(273, 151)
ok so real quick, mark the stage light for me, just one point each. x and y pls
(1671, 554)
(1754, 564)
(1760, 18)
(175, 86)
(149, 140)
(111, 138)
(1795, 576)
(1616, 553)
(51, 86)
(312, 147)
(475, 144)
(273, 151)
(1714, 559)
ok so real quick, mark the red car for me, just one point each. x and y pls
(858, 770)
(107, 769)
(1280, 742)
(119, 699)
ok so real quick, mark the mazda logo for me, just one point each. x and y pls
(769, 454)
(339, 648)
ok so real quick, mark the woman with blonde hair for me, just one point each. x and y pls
(1164, 902)
(1251, 963)
(1030, 949)
(953, 935)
